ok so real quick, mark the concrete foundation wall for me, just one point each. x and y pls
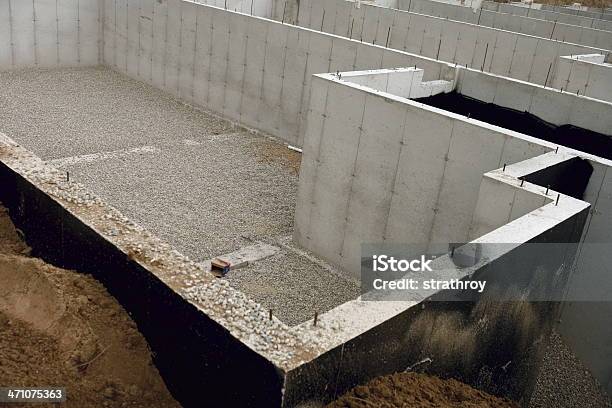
(404, 82)
(500, 202)
(260, 8)
(381, 170)
(553, 106)
(248, 69)
(402, 340)
(196, 345)
(520, 24)
(49, 33)
(280, 10)
(592, 279)
(592, 12)
(584, 77)
(548, 15)
(519, 56)
(191, 349)
(258, 72)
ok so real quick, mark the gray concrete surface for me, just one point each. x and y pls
(388, 170)
(585, 77)
(49, 33)
(549, 15)
(504, 21)
(258, 72)
(248, 69)
(197, 182)
(420, 183)
(507, 53)
(591, 281)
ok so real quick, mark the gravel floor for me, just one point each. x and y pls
(70, 112)
(564, 382)
(196, 181)
(272, 283)
(208, 198)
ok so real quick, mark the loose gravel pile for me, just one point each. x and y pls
(206, 187)
(564, 382)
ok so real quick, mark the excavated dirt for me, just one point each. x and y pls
(417, 390)
(62, 329)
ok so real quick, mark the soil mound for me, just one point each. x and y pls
(419, 391)
(62, 328)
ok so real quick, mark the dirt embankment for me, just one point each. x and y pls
(62, 328)
(417, 390)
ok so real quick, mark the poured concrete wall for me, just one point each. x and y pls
(257, 72)
(260, 8)
(396, 340)
(548, 15)
(248, 69)
(191, 349)
(280, 10)
(404, 82)
(593, 12)
(515, 55)
(49, 33)
(592, 279)
(520, 24)
(553, 106)
(584, 77)
(501, 202)
(378, 169)
(422, 183)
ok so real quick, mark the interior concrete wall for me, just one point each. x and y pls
(49, 33)
(387, 340)
(247, 69)
(593, 12)
(593, 271)
(592, 279)
(554, 106)
(260, 8)
(376, 169)
(404, 82)
(584, 77)
(357, 186)
(254, 71)
(520, 24)
(501, 202)
(548, 15)
(515, 55)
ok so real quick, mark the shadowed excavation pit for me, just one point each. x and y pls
(585, 140)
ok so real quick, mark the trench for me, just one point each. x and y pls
(570, 136)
